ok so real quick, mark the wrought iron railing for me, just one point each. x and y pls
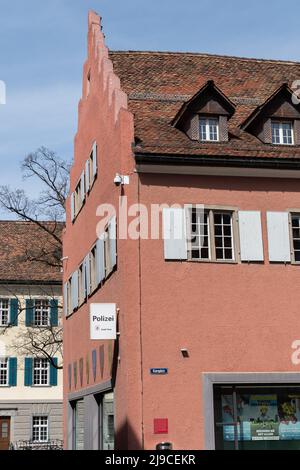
(30, 445)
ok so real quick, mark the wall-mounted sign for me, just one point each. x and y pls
(160, 371)
(103, 321)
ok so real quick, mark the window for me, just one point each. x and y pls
(282, 133)
(40, 372)
(93, 268)
(81, 284)
(40, 429)
(296, 236)
(211, 235)
(4, 312)
(209, 129)
(257, 417)
(41, 314)
(4, 376)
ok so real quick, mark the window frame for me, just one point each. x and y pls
(293, 212)
(6, 359)
(39, 426)
(34, 324)
(211, 210)
(280, 122)
(4, 325)
(207, 118)
(40, 368)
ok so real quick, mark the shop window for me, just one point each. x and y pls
(257, 417)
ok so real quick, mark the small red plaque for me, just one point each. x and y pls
(161, 426)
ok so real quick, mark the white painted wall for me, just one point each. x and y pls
(6, 345)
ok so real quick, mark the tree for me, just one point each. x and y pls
(47, 213)
(48, 210)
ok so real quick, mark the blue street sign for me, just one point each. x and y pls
(159, 371)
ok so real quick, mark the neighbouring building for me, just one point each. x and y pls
(30, 311)
(208, 310)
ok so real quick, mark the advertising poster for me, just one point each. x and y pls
(262, 417)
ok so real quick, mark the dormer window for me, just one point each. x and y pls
(282, 133)
(204, 118)
(209, 129)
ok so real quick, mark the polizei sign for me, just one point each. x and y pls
(103, 321)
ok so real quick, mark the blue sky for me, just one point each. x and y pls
(43, 47)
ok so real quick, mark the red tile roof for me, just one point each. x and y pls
(22, 246)
(158, 83)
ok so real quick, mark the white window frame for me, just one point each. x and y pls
(280, 124)
(6, 361)
(6, 310)
(212, 254)
(40, 368)
(207, 120)
(292, 214)
(39, 427)
(40, 310)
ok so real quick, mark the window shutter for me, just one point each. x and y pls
(54, 312)
(65, 299)
(193, 128)
(29, 312)
(74, 290)
(174, 234)
(100, 261)
(14, 311)
(13, 368)
(87, 275)
(297, 131)
(112, 235)
(251, 242)
(87, 176)
(82, 187)
(83, 293)
(268, 131)
(279, 237)
(95, 163)
(72, 201)
(53, 372)
(28, 372)
(223, 128)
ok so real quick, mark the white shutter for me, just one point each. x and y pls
(74, 290)
(87, 274)
(95, 164)
(112, 235)
(174, 234)
(83, 284)
(279, 237)
(72, 200)
(251, 242)
(82, 187)
(65, 300)
(87, 176)
(100, 261)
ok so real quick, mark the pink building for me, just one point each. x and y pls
(206, 355)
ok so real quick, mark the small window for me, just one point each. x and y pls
(40, 430)
(209, 129)
(4, 377)
(40, 372)
(296, 236)
(211, 235)
(93, 276)
(4, 312)
(282, 133)
(41, 314)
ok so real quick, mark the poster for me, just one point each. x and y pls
(262, 417)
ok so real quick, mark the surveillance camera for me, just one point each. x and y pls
(118, 180)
